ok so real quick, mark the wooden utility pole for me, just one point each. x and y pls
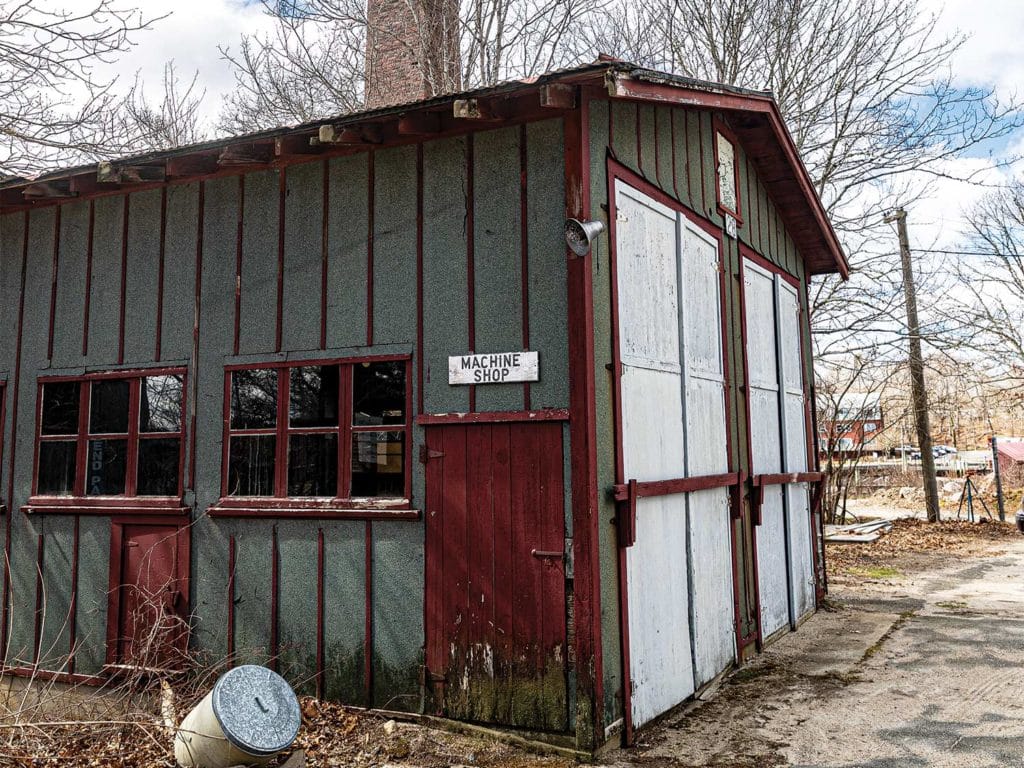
(919, 397)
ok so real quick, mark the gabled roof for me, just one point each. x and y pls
(1013, 451)
(753, 115)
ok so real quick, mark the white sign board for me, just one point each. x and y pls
(494, 368)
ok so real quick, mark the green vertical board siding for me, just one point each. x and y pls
(25, 531)
(209, 537)
(142, 277)
(258, 314)
(58, 555)
(93, 583)
(743, 167)
(623, 127)
(709, 166)
(297, 545)
(497, 258)
(105, 293)
(445, 291)
(72, 250)
(253, 575)
(345, 610)
(179, 270)
(11, 228)
(605, 426)
(548, 310)
(397, 614)
(694, 161)
(665, 145)
(346, 247)
(303, 256)
(394, 246)
(646, 143)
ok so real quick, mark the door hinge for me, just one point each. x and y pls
(426, 454)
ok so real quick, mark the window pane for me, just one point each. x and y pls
(157, 473)
(108, 409)
(160, 404)
(57, 464)
(108, 461)
(254, 399)
(378, 464)
(251, 466)
(60, 408)
(314, 396)
(313, 465)
(378, 393)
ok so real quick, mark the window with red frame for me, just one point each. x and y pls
(318, 430)
(111, 436)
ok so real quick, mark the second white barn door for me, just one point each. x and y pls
(679, 568)
(778, 441)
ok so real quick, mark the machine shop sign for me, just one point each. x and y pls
(493, 368)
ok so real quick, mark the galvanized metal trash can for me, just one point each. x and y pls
(249, 717)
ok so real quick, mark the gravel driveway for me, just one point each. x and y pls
(923, 668)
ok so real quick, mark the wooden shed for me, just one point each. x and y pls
(340, 397)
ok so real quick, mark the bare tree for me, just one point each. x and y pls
(173, 122)
(55, 107)
(312, 64)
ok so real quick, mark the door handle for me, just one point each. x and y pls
(547, 553)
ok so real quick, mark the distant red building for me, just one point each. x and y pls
(855, 423)
(1011, 461)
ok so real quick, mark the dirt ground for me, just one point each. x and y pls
(917, 659)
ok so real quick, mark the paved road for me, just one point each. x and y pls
(923, 671)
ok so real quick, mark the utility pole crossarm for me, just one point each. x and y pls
(919, 396)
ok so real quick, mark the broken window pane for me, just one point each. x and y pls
(108, 409)
(313, 465)
(157, 473)
(251, 466)
(314, 396)
(160, 404)
(378, 464)
(254, 399)
(107, 462)
(378, 393)
(60, 408)
(57, 467)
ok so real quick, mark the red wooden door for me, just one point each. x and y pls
(149, 590)
(495, 582)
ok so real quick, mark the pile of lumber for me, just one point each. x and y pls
(861, 533)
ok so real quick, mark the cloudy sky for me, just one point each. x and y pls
(991, 57)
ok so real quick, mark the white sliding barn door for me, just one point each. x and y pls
(679, 569)
(710, 525)
(778, 435)
(766, 438)
(661, 669)
(801, 542)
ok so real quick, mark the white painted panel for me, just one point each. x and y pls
(705, 428)
(701, 303)
(771, 563)
(765, 435)
(645, 258)
(712, 578)
(759, 291)
(661, 664)
(652, 424)
(801, 549)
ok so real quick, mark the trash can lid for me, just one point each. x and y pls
(257, 710)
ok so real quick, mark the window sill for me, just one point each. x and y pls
(315, 509)
(104, 505)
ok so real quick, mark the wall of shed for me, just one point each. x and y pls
(390, 288)
(673, 149)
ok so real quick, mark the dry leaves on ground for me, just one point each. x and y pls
(910, 541)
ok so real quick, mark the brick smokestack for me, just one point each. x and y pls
(412, 50)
